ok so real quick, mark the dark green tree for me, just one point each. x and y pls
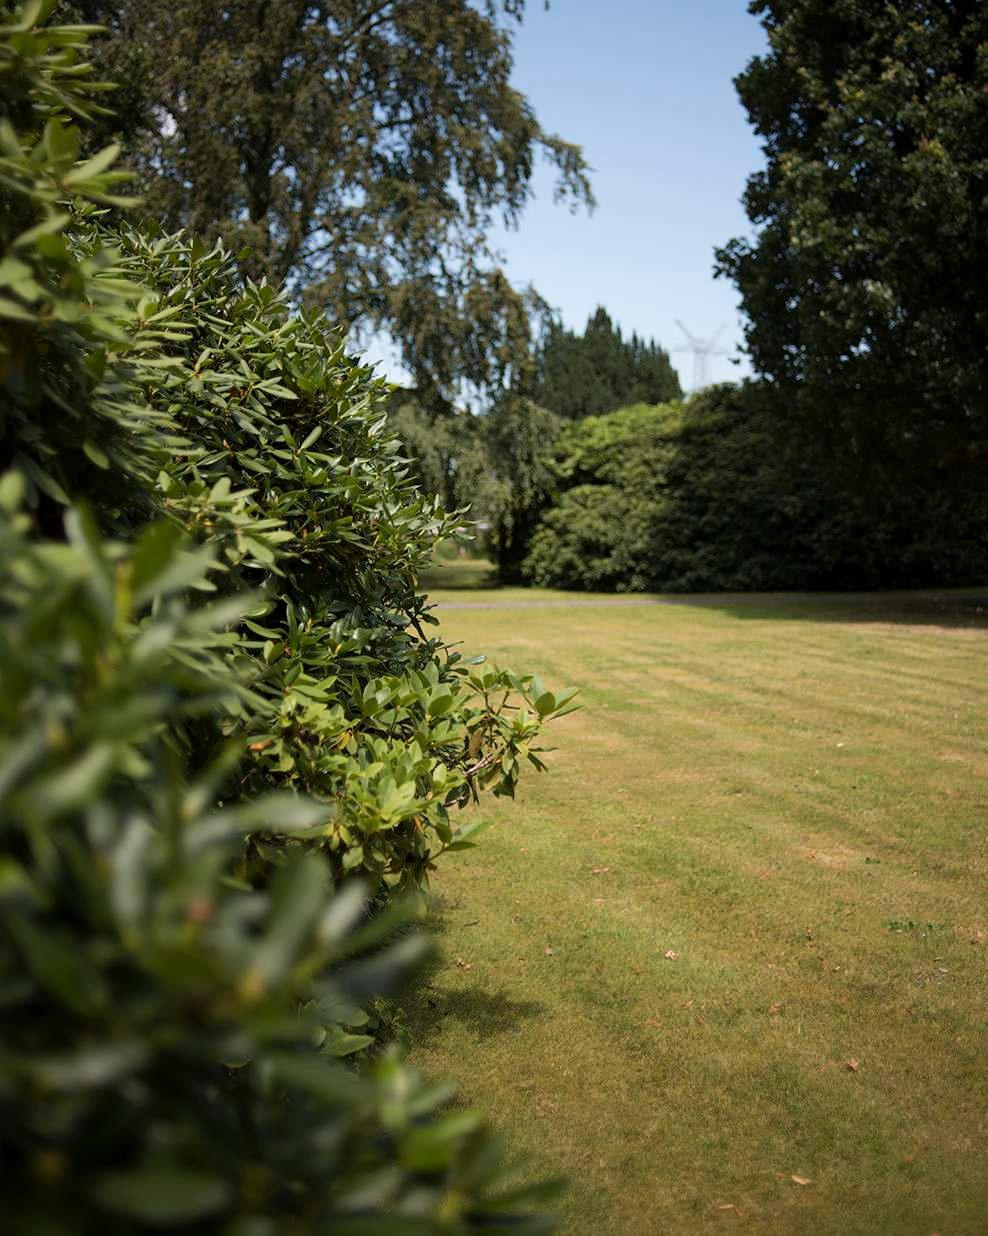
(600, 370)
(864, 280)
(360, 149)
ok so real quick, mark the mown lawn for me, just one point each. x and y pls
(725, 967)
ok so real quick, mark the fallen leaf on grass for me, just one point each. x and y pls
(853, 1065)
(599, 870)
(464, 965)
(730, 1206)
(653, 1022)
(775, 1008)
(800, 1180)
(550, 952)
(598, 901)
(671, 956)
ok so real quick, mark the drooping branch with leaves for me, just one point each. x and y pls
(357, 150)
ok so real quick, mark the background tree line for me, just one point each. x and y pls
(361, 149)
(709, 495)
(856, 459)
(500, 463)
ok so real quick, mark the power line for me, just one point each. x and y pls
(703, 350)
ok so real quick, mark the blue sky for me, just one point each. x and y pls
(645, 86)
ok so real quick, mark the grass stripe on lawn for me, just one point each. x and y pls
(791, 798)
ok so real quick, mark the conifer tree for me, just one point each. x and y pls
(600, 371)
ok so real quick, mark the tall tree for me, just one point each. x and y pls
(600, 370)
(360, 149)
(864, 281)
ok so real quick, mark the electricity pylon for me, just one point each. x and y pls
(703, 350)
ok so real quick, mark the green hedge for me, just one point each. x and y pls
(611, 478)
(724, 493)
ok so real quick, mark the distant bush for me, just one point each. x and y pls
(740, 506)
(720, 495)
(611, 480)
(753, 503)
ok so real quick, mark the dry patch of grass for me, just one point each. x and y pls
(726, 966)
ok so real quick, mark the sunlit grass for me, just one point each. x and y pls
(739, 934)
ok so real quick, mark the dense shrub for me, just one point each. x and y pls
(212, 405)
(171, 1035)
(722, 495)
(753, 503)
(611, 479)
(208, 720)
(295, 480)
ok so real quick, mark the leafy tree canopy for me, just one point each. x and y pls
(864, 281)
(600, 370)
(360, 149)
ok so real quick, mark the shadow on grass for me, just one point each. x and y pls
(484, 1013)
(966, 607)
(961, 607)
(448, 990)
